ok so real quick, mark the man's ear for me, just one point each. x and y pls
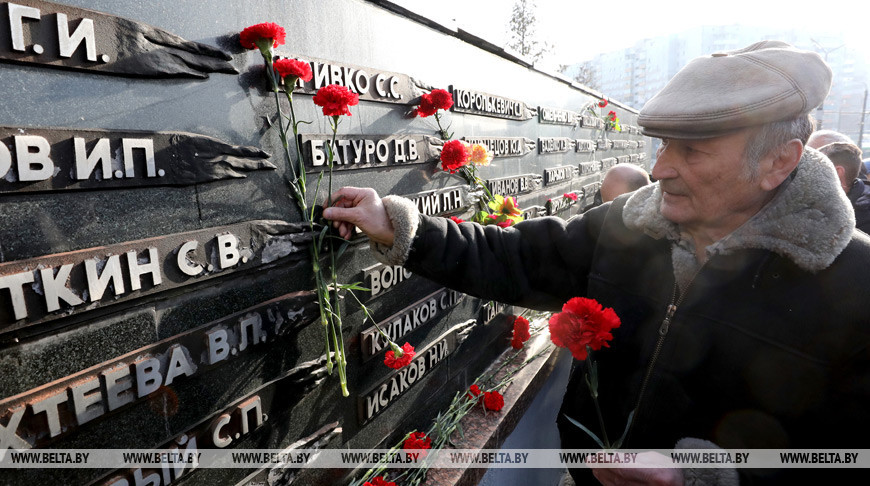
(841, 174)
(781, 163)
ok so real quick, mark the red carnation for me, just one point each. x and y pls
(335, 99)
(441, 99)
(457, 220)
(602, 103)
(454, 155)
(571, 195)
(293, 68)
(473, 392)
(612, 115)
(379, 481)
(417, 440)
(407, 354)
(493, 401)
(250, 35)
(521, 332)
(582, 322)
(438, 99)
(426, 108)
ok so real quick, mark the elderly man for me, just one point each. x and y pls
(738, 277)
(621, 179)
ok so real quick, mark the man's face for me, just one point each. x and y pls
(705, 184)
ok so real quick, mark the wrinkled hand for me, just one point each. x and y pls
(360, 207)
(660, 472)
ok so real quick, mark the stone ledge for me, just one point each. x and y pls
(489, 431)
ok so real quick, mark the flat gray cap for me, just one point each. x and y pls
(713, 95)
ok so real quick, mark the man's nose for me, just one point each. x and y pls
(664, 166)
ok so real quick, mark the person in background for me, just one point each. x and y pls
(846, 157)
(820, 138)
(739, 280)
(622, 179)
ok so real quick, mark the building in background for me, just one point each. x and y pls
(635, 74)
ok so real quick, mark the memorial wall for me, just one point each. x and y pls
(156, 282)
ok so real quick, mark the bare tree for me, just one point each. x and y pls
(523, 36)
(583, 73)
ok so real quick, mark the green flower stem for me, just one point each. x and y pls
(298, 194)
(593, 391)
(289, 94)
(328, 315)
(335, 311)
(369, 317)
(441, 130)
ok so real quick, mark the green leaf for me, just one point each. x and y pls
(584, 429)
(342, 249)
(618, 443)
(355, 286)
(459, 429)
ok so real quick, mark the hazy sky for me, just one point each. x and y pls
(580, 29)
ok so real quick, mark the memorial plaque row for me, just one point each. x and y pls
(37, 293)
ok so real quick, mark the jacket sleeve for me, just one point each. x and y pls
(540, 263)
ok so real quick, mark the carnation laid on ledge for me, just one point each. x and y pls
(379, 481)
(417, 441)
(521, 332)
(493, 401)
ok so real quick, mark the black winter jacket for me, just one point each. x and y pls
(769, 345)
(859, 195)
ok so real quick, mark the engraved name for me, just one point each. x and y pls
(556, 116)
(510, 186)
(551, 145)
(409, 319)
(587, 168)
(558, 174)
(364, 151)
(503, 146)
(35, 290)
(475, 102)
(381, 278)
(38, 416)
(439, 202)
(584, 145)
(37, 159)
